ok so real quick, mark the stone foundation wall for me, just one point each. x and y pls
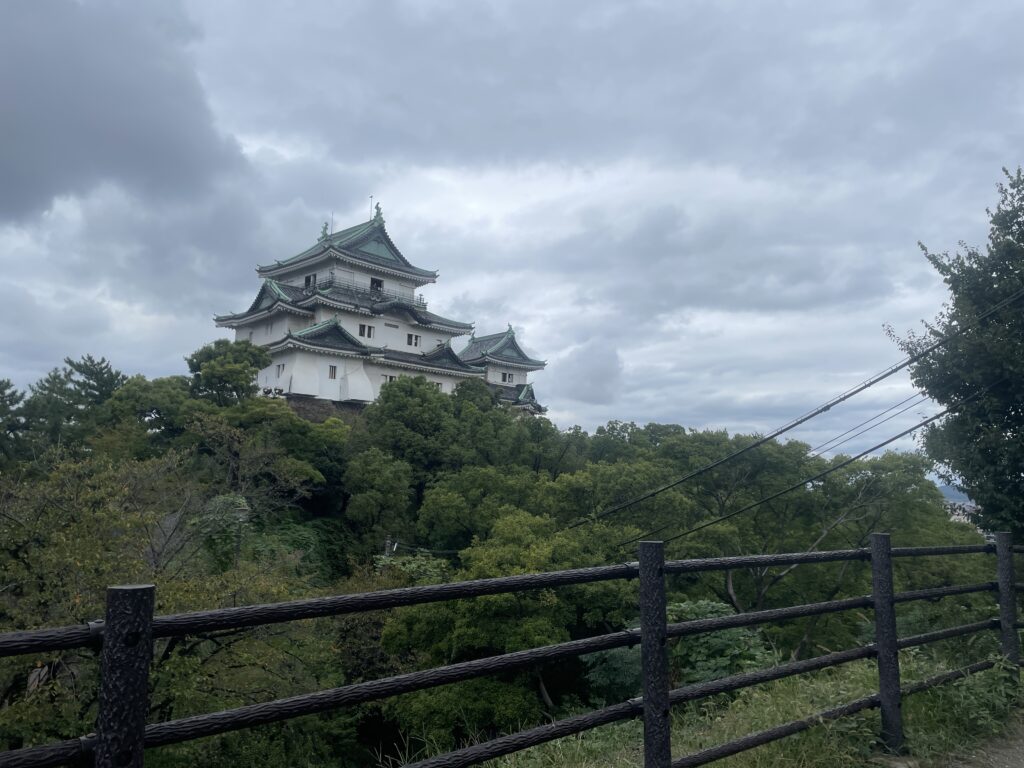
(317, 410)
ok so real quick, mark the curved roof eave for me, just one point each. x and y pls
(530, 364)
(244, 318)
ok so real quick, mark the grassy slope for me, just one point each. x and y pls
(937, 723)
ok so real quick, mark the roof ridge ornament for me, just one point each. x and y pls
(378, 217)
(323, 233)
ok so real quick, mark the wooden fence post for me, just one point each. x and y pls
(654, 656)
(1009, 641)
(124, 676)
(888, 655)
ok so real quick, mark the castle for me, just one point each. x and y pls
(342, 319)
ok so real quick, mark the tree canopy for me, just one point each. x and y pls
(222, 497)
(980, 370)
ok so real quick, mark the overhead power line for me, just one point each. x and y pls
(813, 478)
(866, 384)
(832, 445)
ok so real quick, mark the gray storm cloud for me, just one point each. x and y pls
(728, 196)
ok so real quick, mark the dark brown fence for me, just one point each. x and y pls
(129, 629)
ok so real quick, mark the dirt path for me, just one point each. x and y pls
(1005, 752)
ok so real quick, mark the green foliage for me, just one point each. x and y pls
(939, 722)
(222, 498)
(10, 420)
(978, 446)
(380, 499)
(225, 371)
(614, 676)
(716, 654)
(462, 505)
(413, 422)
(418, 568)
(63, 406)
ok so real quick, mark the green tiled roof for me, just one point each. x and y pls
(518, 396)
(418, 315)
(498, 348)
(368, 243)
(441, 356)
(331, 335)
(270, 293)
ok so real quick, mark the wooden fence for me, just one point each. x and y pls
(127, 634)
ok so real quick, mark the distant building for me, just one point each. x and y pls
(343, 318)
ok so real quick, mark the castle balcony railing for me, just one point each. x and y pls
(376, 294)
(125, 642)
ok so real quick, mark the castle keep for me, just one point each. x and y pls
(343, 318)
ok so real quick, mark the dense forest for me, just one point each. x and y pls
(222, 497)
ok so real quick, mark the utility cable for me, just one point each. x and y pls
(867, 383)
(920, 399)
(828, 444)
(814, 478)
(900, 412)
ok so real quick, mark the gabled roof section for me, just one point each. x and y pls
(329, 335)
(367, 243)
(499, 348)
(420, 316)
(442, 357)
(271, 293)
(520, 396)
(526, 395)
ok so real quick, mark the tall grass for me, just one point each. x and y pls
(937, 723)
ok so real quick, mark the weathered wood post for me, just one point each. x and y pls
(885, 642)
(1009, 641)
(654, 656)
(124, 676)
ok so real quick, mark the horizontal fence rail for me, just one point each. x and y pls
(127, 633)
(198, 622)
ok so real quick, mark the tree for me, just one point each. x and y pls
(980, 370)
(225, 371)
(82, 525)
(467, 629)
(93, 381)
(10, 419)
(379, 504)
(413, 421)
(64, 405)
(143, 417)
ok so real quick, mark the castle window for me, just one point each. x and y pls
(366, 331)
(332, 372)
(387, 379)
(376, 284)
(311, 280)
(439, 385)
(412, 339)
(508, 378)
(280, 370)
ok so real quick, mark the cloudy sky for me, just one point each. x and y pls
(697, 212)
